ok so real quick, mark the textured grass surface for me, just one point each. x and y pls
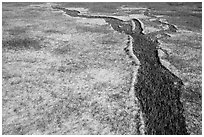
(60, 81)
(183, 14)
(62, 76)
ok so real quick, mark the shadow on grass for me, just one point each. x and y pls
(21, 44)
(17, 30)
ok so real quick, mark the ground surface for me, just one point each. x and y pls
(65, 75)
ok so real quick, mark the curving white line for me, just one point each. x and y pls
(130, 50)
(133, 98)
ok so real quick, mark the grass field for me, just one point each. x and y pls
(64, 75)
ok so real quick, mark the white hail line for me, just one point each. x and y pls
(130, 50)
(133, 98)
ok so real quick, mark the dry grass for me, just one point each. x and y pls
(59, 81)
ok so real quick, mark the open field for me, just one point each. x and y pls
(65, 75)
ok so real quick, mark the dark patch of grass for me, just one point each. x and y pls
(134, 12)
(109, 42)
(167, 6)
(21, 44)
(73, 4)
(187, 22)
(184, 19)
(176, 3)
(185, 15)
(189, 4)
(53, 31)
(94, 29)
(16, 129)
(4, 23)
(105, 7)
(72, 67)
(17, 30)
(4, 9)
(67, 48)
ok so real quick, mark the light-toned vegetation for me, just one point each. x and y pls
(62, 76)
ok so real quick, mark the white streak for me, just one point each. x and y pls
(133, 25)
(142, 24)
(130, 50)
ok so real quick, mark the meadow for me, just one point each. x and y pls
(64, 75)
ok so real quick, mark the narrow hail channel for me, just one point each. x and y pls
(153, 86)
